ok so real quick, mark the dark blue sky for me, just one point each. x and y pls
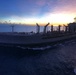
(18, 10)
(23, 7)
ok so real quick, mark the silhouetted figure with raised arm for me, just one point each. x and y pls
(45, 27)
(38, 28)
(66, 28)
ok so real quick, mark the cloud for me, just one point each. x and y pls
(65, 6)
(41, 2)
(42, 9)
(42, 6)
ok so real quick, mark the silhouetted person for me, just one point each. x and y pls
(38, 28)
(66, 28)
(59, 28)
(51, 28)
(45, 27)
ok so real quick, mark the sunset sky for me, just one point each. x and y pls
(37, 11)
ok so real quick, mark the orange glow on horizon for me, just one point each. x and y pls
(53, 19)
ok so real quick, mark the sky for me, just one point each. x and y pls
(37, 11)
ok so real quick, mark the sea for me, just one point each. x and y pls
(24, 28)
(58, 59)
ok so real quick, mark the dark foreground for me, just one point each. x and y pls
(58, 60)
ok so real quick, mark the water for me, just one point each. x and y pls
(59, 59)
(23, 28)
